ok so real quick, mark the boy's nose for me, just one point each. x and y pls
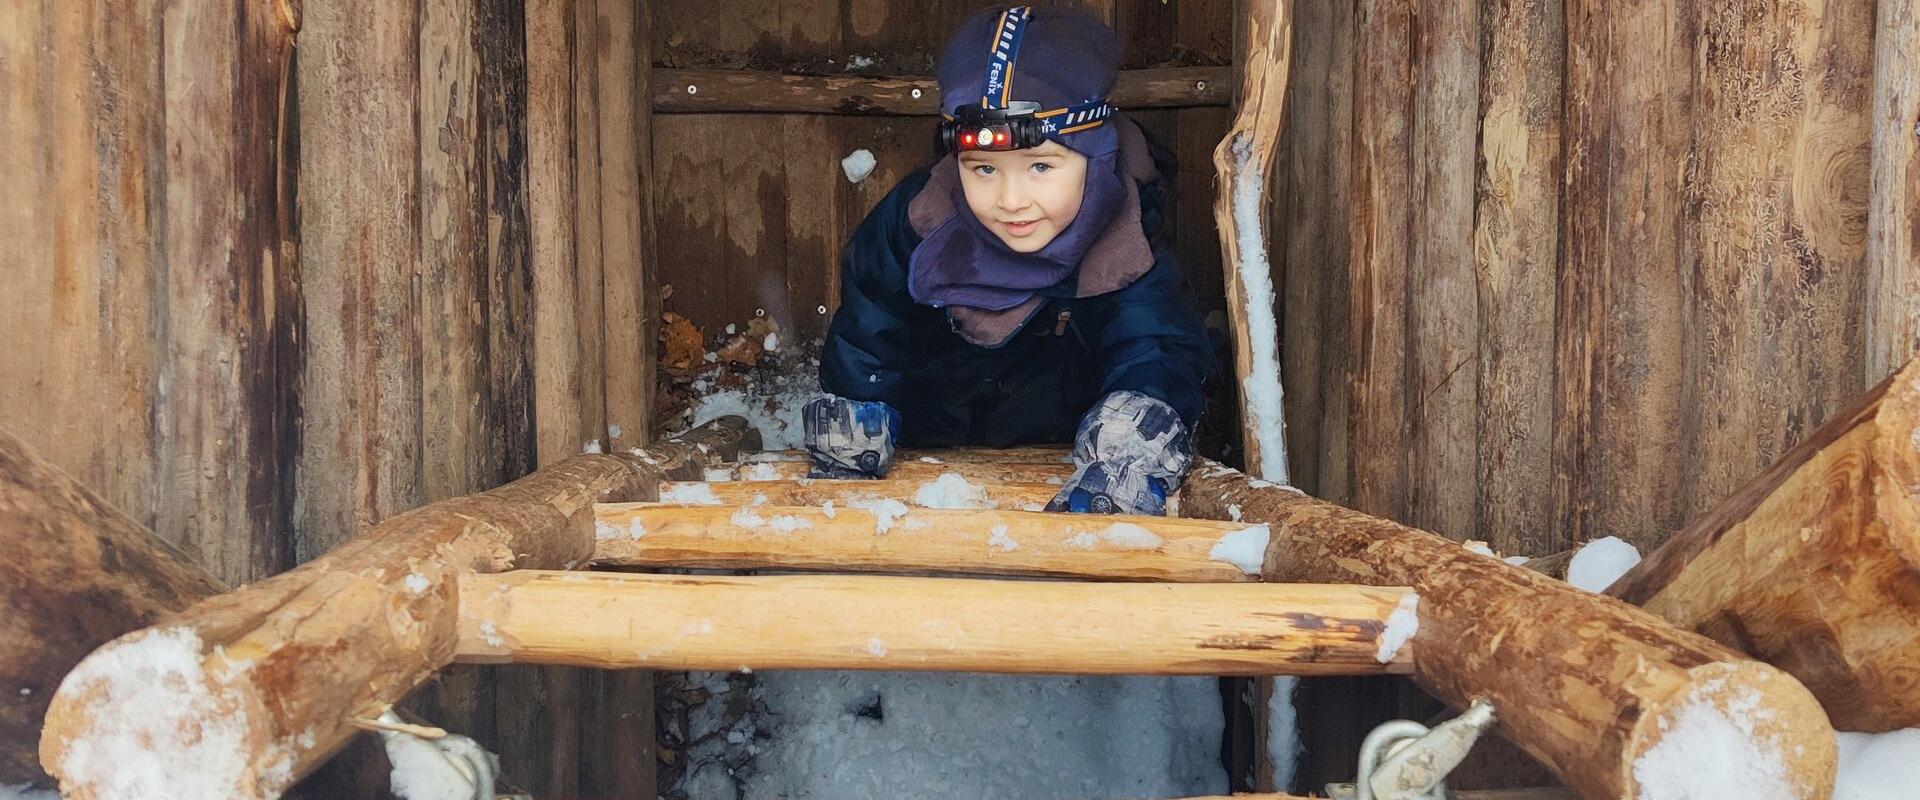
(1011, 197)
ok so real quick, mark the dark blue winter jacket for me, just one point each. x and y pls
(1032, 389)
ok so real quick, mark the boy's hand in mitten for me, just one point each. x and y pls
(850, 438)
(1131, 451)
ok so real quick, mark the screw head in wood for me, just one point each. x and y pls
(692, 89)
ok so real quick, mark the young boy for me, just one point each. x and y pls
(1020, 290)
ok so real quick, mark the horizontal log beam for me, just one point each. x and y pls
(77, 573)
(714, 91)
(894, 538)
(977, 472)
(1814, 565)
(251, 689)
(1040, 454)
(619, 621)
(1011, 496)
(1588, 685)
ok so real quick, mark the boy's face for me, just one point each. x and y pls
(1026, 197)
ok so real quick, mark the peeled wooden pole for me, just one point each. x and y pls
(803, 492)
(243, 693)
(76, 574)
(1590, 686)
(892, 537)
(977, 472)
(616, 621)
(1814, 565)
(1036, 454)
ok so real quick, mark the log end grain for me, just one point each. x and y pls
(1741, 722)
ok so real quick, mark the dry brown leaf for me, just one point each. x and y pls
(682, 344)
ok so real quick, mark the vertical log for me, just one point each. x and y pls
(1893, 195)
(1619, 305)
(1777, 201)
(1515, 246)
(81, 111)
(625, 222)
(1383, 108)
(360, 452)
(558, 383)
(1443, 306)
(223, 417)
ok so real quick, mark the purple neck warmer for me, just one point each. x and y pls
(1068, 57)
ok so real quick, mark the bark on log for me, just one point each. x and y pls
(935, 540)
(1010, 496)
(709, 91)
(1893, 191)
(77, 574)
(1812, 565)
(242, 694)
(872, 622)
(1586, 684)
(909, 471)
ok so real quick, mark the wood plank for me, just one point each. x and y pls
(1043, 454)
(1780, 159)
(934, 624)
(1443, 316)
(1892, 315)
(271, 675)
(1618, 362)
(1516, 246)
(559, 384)
(1810, 565)
(1491, 630)
(77, 573)
(893, 537)
(715, 91)
(1244, 163)
(361, 412)
(809, 492)
(81, 104)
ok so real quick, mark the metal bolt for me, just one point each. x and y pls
(916, 94)
(692, 89)
(759, 312)
(1199, 86)
(820, 309)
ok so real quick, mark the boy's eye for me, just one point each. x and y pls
(983, 170)
(1042, 167)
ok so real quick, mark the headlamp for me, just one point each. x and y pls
(998, 123)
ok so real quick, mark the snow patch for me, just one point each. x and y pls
(1878, 766)
(771, 344)
(1245, 548)
(176, 731)
(1283, 731)
(828, 509)
(1708, 751)
(1477, 546)
(1402, 624)
(998, 538)
(490, 633)
(876, 647)
(417, 584)
(762, 471)
(590, 447)
(951, 490)
(693, 494)
(884, 511)
(718, 475)
(788, 523)
(1601, 562)
(1128, 536)
(859, 163)
(1233, 512)
(604, 531)
(1262, 384)
(700, 628)
(746, 518)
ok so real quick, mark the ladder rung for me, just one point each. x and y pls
(889, 536)
(977, 472)
(625, 621)
(938, 493)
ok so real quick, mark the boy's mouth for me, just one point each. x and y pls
(1020, 228)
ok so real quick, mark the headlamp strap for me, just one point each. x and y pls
(998, 86)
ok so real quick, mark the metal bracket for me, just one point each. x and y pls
(1405, 760)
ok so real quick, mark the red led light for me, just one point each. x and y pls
(1000, 137)
(966, 140)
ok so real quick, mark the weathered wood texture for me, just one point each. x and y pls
(269, 677)
(753, 209)
(77, 574)
(870, 536)
(150, 328)
(913, 623)
(1811, 565)
(1893, 191)
(1494, 631)
(1011, 496)
(1668, 209)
